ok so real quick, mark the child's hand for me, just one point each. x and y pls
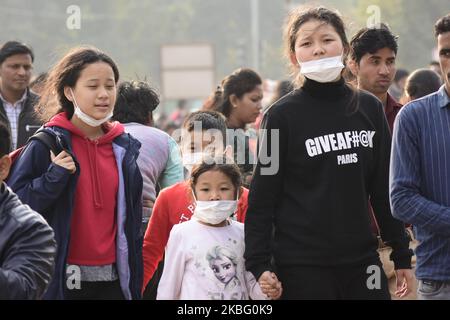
(278, 291)
(274, 292)
(270, 285)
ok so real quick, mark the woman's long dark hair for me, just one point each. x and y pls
(240, 82)
(66, 74)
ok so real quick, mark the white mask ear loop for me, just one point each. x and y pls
(85, 117)
(73, 97)
(237, 200)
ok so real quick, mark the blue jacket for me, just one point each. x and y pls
(49, 189)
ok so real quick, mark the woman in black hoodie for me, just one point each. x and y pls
(324, 152)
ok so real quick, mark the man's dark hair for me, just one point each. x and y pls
(12, 48)
(434, 63)
(39, 80)
(442, 25)
(136, 100)
(400, 74)
(5, 140)
(370, 40)
(208, 120)
(421, 83)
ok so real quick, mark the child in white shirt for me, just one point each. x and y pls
(204, 256)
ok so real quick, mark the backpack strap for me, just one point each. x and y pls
(49, 140)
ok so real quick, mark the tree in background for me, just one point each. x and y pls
(133, 31)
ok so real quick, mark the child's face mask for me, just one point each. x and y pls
(214, 212)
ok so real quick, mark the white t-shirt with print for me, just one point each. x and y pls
(207, 263)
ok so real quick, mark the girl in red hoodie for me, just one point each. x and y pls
(88, 191)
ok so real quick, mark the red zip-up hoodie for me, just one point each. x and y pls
(93, 225)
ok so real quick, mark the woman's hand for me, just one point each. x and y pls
(270, 285)
(65, 160)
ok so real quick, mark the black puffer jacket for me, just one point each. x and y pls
(27, 249)
(28, 119)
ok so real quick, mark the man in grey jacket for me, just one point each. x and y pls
(27, 244)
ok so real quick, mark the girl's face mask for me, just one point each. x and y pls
(87, 119)
(322, 70)
(214, 212)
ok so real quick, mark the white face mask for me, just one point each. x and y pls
(86, 118)
(322, 70)
(191, 159)
(214, 212)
